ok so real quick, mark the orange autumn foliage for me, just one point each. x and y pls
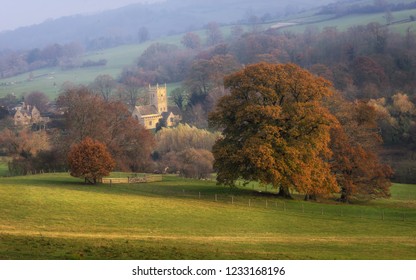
(275, 130)
(355, 145)
(91, 160)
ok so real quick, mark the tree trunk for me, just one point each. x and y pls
(88, 181)
(284, 192)
(344, 196)
(310, 197)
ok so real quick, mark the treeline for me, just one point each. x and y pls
(85, 115)
(17, 62)
(184, 150)
(379, 6)
(114, 40)
(365, 63)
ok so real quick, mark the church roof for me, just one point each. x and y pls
(147, 110)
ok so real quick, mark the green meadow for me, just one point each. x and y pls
(4, 167)
(344, 22)
(55, 216)
(50, 80)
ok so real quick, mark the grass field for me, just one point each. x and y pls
(54, 216)
(50, 80)
(345, 22)
(4, 169)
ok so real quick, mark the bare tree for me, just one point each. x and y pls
(38, 99)
(214, 34)
(104, 85)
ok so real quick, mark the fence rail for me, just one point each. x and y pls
(133, 180)
(115, 180)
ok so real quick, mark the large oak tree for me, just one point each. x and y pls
(275, 130)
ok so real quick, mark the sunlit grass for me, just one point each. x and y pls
(181, 219)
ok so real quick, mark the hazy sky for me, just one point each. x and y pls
(17, 13)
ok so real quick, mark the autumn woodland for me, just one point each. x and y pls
(309, 115)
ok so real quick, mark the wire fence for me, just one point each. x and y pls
(266, 200)
(294, 207)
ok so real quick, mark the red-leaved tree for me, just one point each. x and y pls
(90, 160)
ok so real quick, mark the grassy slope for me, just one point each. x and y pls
(343, 23)
(51, 79)
(55, 217)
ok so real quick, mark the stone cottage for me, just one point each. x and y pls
(27, 115)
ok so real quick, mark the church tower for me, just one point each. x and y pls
(158, 98)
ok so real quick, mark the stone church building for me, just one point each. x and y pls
(157, 110)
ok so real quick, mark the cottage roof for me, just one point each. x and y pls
(166, 115)
(27, 110)
(175, 110)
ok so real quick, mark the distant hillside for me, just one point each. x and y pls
(173, 16)
(49, 79)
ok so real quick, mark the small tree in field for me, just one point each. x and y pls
(90, 160)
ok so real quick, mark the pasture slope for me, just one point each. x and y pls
(50, 80)
(54, 216)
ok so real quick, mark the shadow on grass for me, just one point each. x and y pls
(171, 186)
(177, 188)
